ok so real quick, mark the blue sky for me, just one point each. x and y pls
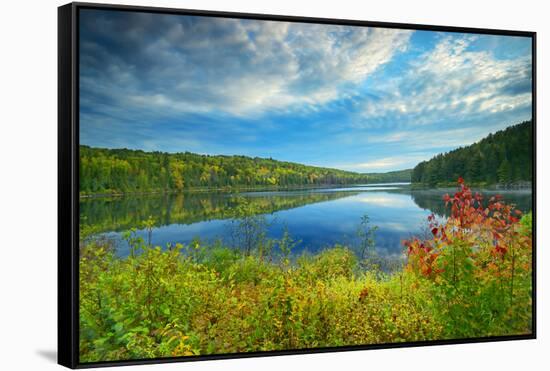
(353, 98)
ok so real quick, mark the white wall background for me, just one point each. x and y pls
(28, 147)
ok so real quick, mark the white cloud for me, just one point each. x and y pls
(380, 199)
(242, 67)
(383, 164)
(426, 139)
(379, 164)
(452, 81)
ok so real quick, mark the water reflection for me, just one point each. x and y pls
(319, 218)
(108, 214)
(431, 199)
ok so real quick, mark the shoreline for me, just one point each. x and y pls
(523, 186)
(520, 186)
(224, 190)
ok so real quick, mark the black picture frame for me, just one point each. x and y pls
(68, 180)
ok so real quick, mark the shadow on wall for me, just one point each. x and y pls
(50, 355)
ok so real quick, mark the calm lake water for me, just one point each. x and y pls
(319, 217)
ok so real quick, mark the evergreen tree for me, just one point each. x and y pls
(502, 157)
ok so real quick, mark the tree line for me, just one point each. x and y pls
(125, 171)
(504, 157)
(398, 176)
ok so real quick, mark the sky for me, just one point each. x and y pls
(353, 98)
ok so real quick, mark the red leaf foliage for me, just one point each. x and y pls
(470, 221)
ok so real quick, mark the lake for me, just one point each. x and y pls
(319, 218)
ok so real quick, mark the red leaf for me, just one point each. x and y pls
(428, 271)
(501, 250)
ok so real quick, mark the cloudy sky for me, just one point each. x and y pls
(354, 98)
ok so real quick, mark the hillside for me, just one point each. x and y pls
(401, 176)
(501, 158)
(113, 171)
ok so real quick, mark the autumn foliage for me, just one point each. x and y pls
(480, 262)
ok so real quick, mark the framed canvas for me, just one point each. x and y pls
(237, 185)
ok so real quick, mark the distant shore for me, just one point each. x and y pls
(229, 189)
(516, 186)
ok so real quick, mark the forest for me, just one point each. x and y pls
(501, 158)
(118, 171)
(504, 158)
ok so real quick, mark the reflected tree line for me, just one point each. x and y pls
(432, 200)
(117, 214)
